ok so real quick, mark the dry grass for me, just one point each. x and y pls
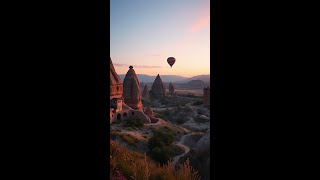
(127, 164)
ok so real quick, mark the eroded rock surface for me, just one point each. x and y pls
(131, 90)
(158, 90)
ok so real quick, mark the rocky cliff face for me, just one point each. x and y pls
(116, 86)
(158, 89)
(131, 90)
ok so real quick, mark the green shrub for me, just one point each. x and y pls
(162, 154)
(133, 122)
(160, 145)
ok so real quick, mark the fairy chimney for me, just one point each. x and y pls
(171, 88)
(131, 90)
(145, 93)
(158, 89)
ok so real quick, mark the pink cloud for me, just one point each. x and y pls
(200, 23)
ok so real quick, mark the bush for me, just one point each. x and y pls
(133, 122)
(161, 154)
(161, 137)
(160, 145)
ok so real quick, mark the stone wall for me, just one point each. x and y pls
(125, 115)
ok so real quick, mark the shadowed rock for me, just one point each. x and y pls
(158, 89)
(171, 88)
(149, 112)
(145, 93)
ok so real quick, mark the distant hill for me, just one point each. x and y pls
(170, 78)
(204, 78)
(196, 83)
(193, 84)
(165, 78)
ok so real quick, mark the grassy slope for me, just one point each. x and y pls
(125, 164)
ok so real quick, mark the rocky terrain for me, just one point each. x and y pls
(190, 124)
(161, 123)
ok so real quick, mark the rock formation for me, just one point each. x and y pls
(131, 90)
(171, 88)
(202, 156)
(158, 89)
(206, 96)
(145, 92)
(116, 87)
(149, 112)
(119, 111)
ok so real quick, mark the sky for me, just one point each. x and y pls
(144, 33)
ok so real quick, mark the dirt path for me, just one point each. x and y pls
(186, 148)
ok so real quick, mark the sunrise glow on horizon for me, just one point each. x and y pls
(145, 33)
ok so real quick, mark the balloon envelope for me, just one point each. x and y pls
(171, 61)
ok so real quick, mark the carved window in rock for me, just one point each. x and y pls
(114, 103)
(132, 113)
(125, 115)
(119, 116)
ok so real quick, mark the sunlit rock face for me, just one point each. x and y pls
(116, 86)
(158, 89)
(171, 88)
(131, 90)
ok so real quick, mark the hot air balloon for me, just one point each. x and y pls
(171, 61)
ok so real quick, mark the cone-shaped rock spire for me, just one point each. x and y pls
(158, 89)
(131, 90)
(145, 93)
